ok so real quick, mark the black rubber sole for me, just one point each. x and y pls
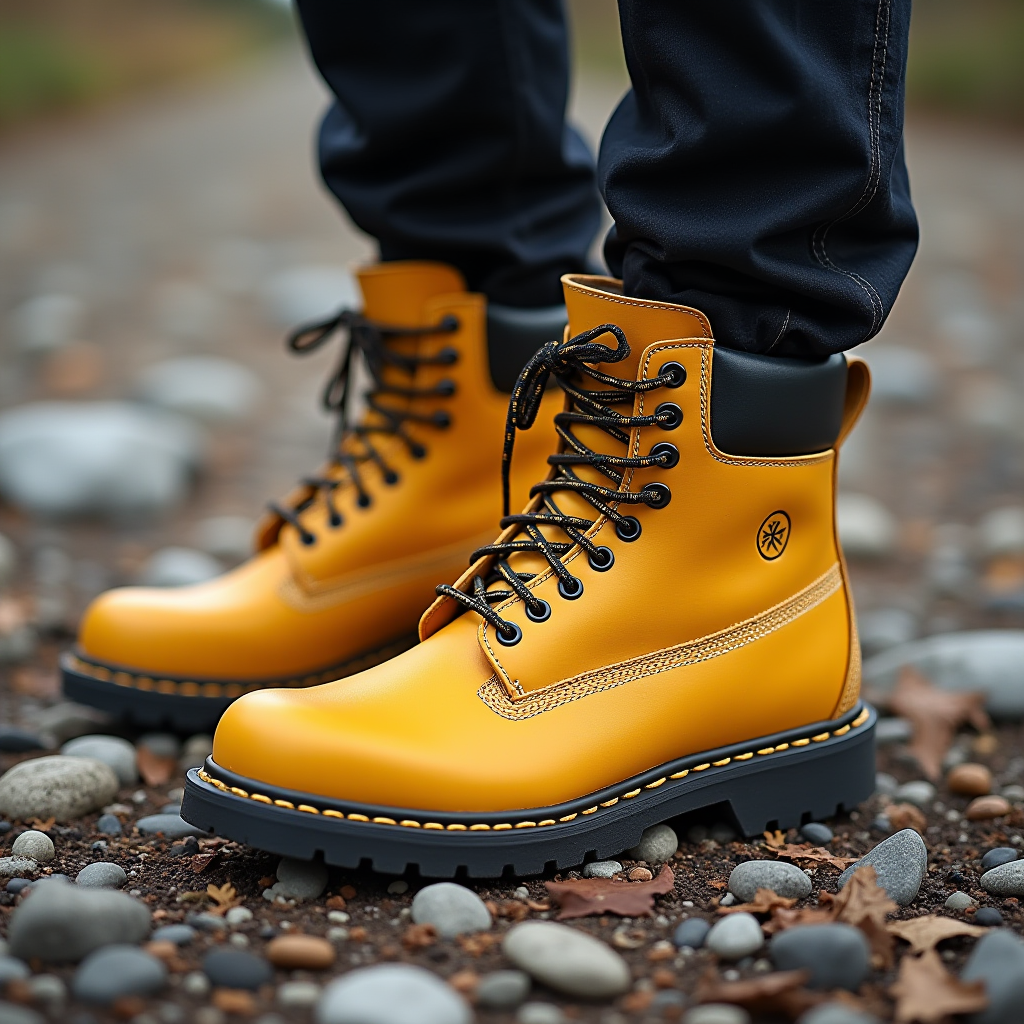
(778, 781)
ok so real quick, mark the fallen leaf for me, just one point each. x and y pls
(418, 937)
(926, 993)
(764, 902)
(863, 903)
(793, 851)
(357, 934)
(465, 982)
(31, 681)
(775, 839)
(637, 1002)
(783, 918)
(538, 905)
(478, 943)
(924, 933)
(585, 896)
(201, 861)
(155, 770)
(935, 716)
(223, 895)
(782, 992)
(717, 883)
(42, 824)
(514, 910)
(903, 816)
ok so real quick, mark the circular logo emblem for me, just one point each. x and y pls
(773, 535)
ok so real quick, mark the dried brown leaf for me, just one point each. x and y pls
(775, 839)
(764, 902)
(155, 770)
(224, 896)
(42, 824)
(783, 992)
(924, 933)
(478, 943)
(783, 918)
(866, 905)
(903, 816)
(201, 861)
(418, 937)
(793, 851)
(585, 896)
(926, 993)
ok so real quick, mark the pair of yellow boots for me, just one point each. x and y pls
(666, 627)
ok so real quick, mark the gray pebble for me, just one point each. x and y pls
(728, 900)
(12, 969)
(16, 885)
(178, 567)
(998, 960)
(959, 901)
(657, 845)
(19, 741)
(836, 1013)
(837, 955)
(64, 721)
(56, 786)
(298, 993)
(717, 1013)
(160, 744)
(300, 879)
(885, 784)
(735, 936)
(171, 826)
(866, 527)
(567, 960)
(919, 793)
(691, 933)
(1013, 793)
(195, 750)
(452, 909)
(1005, 880)
(502, 990)
(540, 1013)
(49, 990)
(391, 994)
(179, 934)
(102, 875)
(113, 751)
(1000, 855)
(601, 869)
(109, 825)
(59, 922)
(815, 832)
(900, 863)
(196, 984)
(116, 971)
(206, 387)
(781, 877)
(207, 922)
(893, 730)
(16, 867)
(12, 1013)
(988, 917)
(233, 968)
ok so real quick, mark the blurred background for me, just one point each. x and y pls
(162, 224)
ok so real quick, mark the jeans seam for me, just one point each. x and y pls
(879, 57)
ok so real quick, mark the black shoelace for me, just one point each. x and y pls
(567, 362)
(353, 443)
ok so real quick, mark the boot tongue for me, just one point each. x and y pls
(396, 293)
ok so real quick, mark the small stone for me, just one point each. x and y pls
(837, 955)
(178, 567)
(722, 832)
(816, 833)
(782, 878)
(988, 917)
(207, 387)
(102, 875)
(179, 934)
(237, 915)
(902, 375)
(391, 994)
(18, 741)
(17, 885)
(1001, 532)
(837, 1013)
(639, 874)
(984, 808)
(300, 952)
(885, 784)
(109, 825)
(900, 863)
(59, 787)
(717, 1013)
(998, 961)
(1000, 855)
(893, 730)
(229, 538)
(207, 922)
(567, 960)
(116, 971)
(12, 969)
(919, 793)
(233, 968)
(602, 869)
(196, 984)
(49, 990)
(113, 751)
(11, 1013)
(657, 845)
(883, 628)
(398, 887)
(728, 900)
(37, 846)
(969, 780)
(239, 940)
(502, 990)
(1005, 880)
(691, 933)
(170, 826)
(452, 909)
(736, 936)
(959, 901)
(300, 879)
(540, 1013)
(1013, 793)
(299, 993)
(160, 744)
(195, 750)
(866, 527)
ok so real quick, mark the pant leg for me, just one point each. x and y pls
(447, 137)
(756, 169)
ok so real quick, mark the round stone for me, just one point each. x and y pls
(160, 744)
(233, 968)
(816, 833)
(237, 915)
(781, 877)
(959, 901)
(1000, 855)
(717, 1013)
(13, 867)
(170, 826)
(919, 793)
(116, 971)
(300, 952)
(885, 784)
(691, 933)
(837, 955)
(56, 787)
(116, 753)
(502, 990)
(540, 1013)
(893, 730)
(399, 887)
(900, 863)
(1005, 880)
(837, 1013)
(102, 875)
(179, 934)
(969, 780)
(195, 750)
(13, 969)
(300, 879)
(657, 845)
(37, 846)
(998, 960)
(984, 808)
(735, 936)
(452, 909)
(298, 993)
(988, 917)
(601, 869)
(11, 1013)
(109, 825)
(567, 960)
(391, 994)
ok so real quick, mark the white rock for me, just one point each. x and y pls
(300, 879)
(717, 1013)
(298, 993)
(37, 846)
(237, 915)
(867, 528)
(1001, 532)
(66, 720)
(919, 792)
(111, 458)
(391, 994)
(782, 878)
(657, 845)
(47, 322)
(226, 537)
(56, 786)
(113, 751)
(735, 936)
(452, 909)
(899, 375)
(178, 567)
(567, 960)
(195, 750)
(312, 292)
(601, 869)
(207, 387)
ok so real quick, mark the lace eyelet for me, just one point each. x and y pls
(605, 562)
(656, 495)
(571, 594)
(448, 356)
(672, 411)
(441, 419)
(417, 451)
(446, 388)
(308, 539)
(668, 452)
(364, 501)
(677, 373)
(335, 520)
(629, 529)
(449, 323)
(541, 616)
(517, 635)
(391, 478)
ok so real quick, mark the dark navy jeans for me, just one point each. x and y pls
(755, 170)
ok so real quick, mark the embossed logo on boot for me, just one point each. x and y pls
(773, 535)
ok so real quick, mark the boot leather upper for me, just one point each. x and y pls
(296, 608)
(693, 639)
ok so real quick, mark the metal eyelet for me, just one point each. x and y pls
(391, 478)
(629, 529)
(441, 419)
(512, 640)
(364, 501)
(308, 539)
(605, 562)
(449, 323)
(448, 356)
(335, 520)
(671, 410)
(667, 452)
(543, 615)
(417, 451)
(656, 495)
(571, 594)
(446, 388)
(677, 373)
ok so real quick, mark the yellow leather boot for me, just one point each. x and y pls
(666, 627)
(347, 562)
